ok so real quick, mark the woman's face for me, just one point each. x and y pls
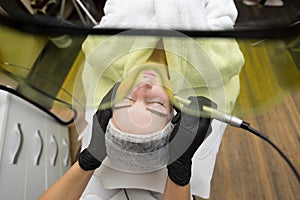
(146, 109)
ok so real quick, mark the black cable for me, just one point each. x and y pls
(246, 126)
(126, 194)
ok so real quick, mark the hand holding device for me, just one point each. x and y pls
(188, 134)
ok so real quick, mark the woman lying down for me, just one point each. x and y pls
(144, 143)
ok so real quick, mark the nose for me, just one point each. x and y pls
(145, 84)
(142, 91)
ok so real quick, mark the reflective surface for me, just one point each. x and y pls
(269, 98)
(30, 86)
(56, 71)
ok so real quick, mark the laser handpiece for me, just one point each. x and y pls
(215, 114)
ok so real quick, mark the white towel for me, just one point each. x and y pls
(170, 14)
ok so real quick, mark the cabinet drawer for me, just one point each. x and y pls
(34, 150)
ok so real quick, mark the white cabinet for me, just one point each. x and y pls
(34, 149)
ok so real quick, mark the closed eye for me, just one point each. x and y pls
(125, 103)
(157, 101)
(157, 106)
(160, 103)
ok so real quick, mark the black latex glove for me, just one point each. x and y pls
(188, 134)
(92, 156)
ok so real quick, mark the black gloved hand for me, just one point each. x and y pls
(188, 134)
(92, 156)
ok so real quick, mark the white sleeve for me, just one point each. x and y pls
(127, 14)
(221, 14)
(196, 14)
(204, 161)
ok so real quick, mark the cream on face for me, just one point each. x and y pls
(146, 109)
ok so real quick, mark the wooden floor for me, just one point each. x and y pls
(247, 167)
(267, 16)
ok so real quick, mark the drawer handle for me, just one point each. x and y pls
(39, 140)
(65, 147)
(19, 135)
(54, 145)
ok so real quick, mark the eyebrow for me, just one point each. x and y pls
(151, 110)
